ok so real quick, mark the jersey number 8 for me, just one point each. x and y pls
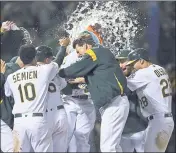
(144, 102)
(29, 92)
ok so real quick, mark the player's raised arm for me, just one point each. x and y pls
(62, 52)
(50, 69)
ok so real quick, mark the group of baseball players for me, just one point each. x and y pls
(55, 101)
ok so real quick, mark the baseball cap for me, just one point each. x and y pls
(123, 54)
(137, 54)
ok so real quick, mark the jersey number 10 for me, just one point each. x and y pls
(28, 92)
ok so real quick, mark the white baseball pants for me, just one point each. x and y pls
(114, 117)
(133, 141)
(6, 138)
(80, 124)
(58, 125)
(33, 132)
(158, 133)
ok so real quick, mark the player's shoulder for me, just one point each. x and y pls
(72, 55)
(71, 58)
(137, 73)
(141, 74)
(52, 64)
(10, 76)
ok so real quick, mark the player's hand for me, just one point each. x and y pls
(3, 66)
(8, 25)
(64, 42)
(77, 80)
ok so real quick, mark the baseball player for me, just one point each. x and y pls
(152, 85)
(7, 118)
(56, 114)
(29, 87)
(106, 84)
(6, 131)
(133, 134)
(80, 111)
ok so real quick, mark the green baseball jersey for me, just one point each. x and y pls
(103, 75)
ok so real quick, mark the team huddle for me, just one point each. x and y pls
(58, 99)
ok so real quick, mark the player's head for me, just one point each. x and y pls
(83, 43)
(44, 54)
(27, 54)
(139, 58)
(122, 57)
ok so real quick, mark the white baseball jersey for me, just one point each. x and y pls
(153, 88)
(69, 60)
(29, 87)
(54, 96)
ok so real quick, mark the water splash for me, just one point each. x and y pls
(27, 38)
(119, 26)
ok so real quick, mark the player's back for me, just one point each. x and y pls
(54, 95)
(30, 86)
(155, 97)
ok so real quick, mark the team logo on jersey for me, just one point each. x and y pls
(82, 86)
(162, 140)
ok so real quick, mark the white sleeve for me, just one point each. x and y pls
(69, 59)
(51, 70)
(137, 80)
(7, 89)
(63, 83)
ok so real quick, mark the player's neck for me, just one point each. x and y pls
(147, 64)
(27, 65)
(40, 63)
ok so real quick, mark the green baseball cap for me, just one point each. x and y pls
(123, 54)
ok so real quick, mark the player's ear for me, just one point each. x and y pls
(46, 61)
(141, 61)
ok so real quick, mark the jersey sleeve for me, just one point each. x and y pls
(70, 59)
(80, 68)
(137, 80)
(60, 56)
(62, 83)
(7, 89)
(50, 70)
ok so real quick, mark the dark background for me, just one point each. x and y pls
(40, 18)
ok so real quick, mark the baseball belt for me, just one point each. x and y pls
(33, 115)
(58, 107)
(81, 97)
(151, 117)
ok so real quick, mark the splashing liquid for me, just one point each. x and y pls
(118, 25)
(27, 37)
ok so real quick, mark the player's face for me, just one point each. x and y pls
(126, 69)
(81, 49)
